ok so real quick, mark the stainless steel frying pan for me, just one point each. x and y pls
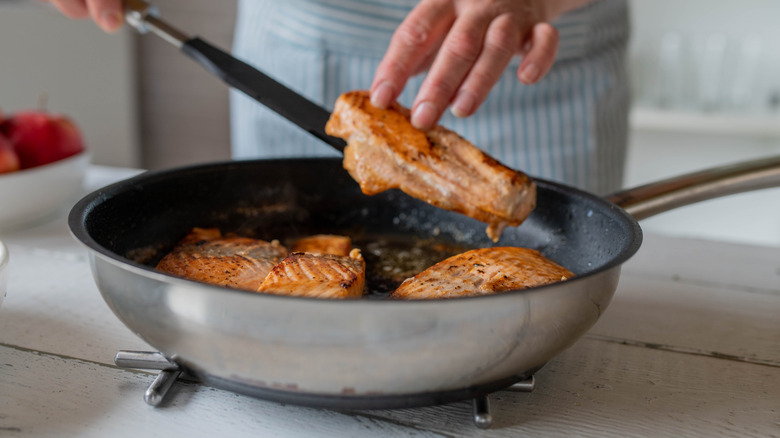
(368, 353)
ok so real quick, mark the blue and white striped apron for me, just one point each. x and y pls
(570, 127)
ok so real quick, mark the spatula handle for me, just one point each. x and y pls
(658, 197)
(306, 114)
(264, 89)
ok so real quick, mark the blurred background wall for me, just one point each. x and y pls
(706, 79)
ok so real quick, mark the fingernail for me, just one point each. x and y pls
(530, 73)
(382, 95)
(464, 104)
(424, 116)
(110, 21)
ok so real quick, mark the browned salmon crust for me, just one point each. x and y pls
(329, 268)
(481, 272)
(385, 151)
(318, 276)
(323, 244)
(236, 262)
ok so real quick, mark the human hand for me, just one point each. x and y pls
(467, 44)
(108, 14)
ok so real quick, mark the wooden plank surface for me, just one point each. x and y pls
(46, 395)
(747, 267)
(701, 297)
(63, 313)
(708, 319)
(605, 389)
(594, 389)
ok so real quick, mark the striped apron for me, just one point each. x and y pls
(570, 127)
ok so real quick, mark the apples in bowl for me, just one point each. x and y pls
(43, 160)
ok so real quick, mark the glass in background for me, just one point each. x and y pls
(711, 73)
(671, 77)
(747, 66)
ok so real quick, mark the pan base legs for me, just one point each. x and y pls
(483, 419)
(151, 360)
(170, 372)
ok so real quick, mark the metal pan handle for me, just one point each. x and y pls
(237, 74)
(651, 199)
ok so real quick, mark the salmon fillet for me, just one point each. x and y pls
(318, 276)
(482, 272)
(323, 244)
(238, 262)
(384, 151)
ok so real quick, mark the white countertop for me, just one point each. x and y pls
(689, 346)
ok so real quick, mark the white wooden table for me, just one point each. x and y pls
(689, 346)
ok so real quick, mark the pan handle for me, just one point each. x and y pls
(650, 199)
(237, 74)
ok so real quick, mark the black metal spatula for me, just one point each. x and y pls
(237, 74)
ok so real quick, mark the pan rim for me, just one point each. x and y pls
(80, 211)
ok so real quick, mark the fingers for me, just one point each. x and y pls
(500, 41)
(411, 48)
(470, 42)
(108, 14)
(71, 8)
(460, 50)
(540, 54)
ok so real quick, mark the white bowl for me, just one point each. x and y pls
(35, 193)
(3, 270)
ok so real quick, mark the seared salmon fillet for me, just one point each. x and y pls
(481, 272)
(323, 244)
(318, 276)
(384, 151)
(237, 262)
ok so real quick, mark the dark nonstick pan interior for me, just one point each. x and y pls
(142, 218)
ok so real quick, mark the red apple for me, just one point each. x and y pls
(40, 138)
(9, 161)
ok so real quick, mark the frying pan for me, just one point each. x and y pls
(368, 353)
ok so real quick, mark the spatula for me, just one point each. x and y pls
(235, 73)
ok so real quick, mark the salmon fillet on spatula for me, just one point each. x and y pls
(384, 151)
